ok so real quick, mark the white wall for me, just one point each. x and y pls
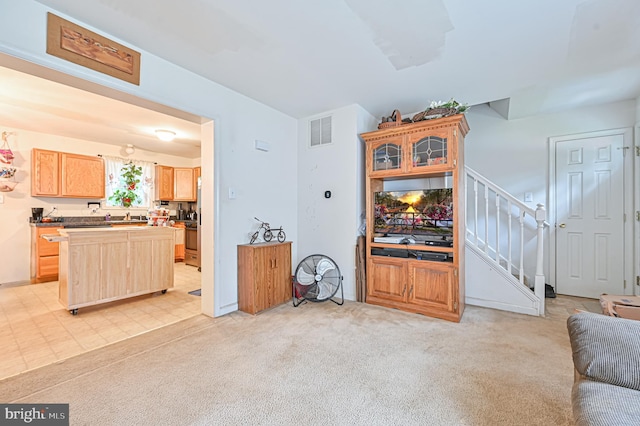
(514, 153)
(16, 209)
(330, 226)
(266, 185)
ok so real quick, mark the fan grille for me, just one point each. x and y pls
(317, 278)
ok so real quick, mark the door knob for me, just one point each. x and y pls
(562, 225)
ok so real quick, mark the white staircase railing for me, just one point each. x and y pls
(506, 232)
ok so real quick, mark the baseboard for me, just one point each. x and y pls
(501, 306)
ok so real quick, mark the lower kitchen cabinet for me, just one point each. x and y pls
(44, 255)
(180, 240)
(264, 275)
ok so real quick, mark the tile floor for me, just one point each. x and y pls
(37, 330)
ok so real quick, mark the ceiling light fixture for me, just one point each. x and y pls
(130, 149)
(165, 135)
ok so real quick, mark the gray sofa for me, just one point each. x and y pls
(606, 357)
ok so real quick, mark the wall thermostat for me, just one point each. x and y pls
(327, 194)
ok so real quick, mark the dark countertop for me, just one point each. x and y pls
(61, 222)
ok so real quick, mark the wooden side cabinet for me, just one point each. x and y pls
(264, 275)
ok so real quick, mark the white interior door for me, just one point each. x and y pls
(590, 205)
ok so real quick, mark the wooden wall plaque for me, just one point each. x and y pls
(76, 44)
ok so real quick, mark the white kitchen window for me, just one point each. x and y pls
(144, 190)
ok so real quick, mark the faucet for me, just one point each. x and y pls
(53, 210)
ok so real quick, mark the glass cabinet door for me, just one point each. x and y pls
(429, 151)
(387, 156)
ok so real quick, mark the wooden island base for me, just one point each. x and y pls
(99, 265)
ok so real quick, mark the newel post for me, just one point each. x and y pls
(539, 285)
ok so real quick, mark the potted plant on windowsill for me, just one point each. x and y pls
(126, 196)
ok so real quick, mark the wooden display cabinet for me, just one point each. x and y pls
(412, 154)
(264, 275)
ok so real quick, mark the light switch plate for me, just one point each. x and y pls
(1, 199)
(528, 197)
(232, 194)
(262, 145)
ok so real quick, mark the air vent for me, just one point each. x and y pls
(320, 131)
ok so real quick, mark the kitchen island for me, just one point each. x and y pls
(99, 265)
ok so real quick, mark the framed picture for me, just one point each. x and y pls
(76, 44)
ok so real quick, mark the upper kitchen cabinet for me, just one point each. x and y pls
(82, 176)
(176, 183)
(164, 183)
(61, 174)
(197, 172)
(185, 189)
(45, 173)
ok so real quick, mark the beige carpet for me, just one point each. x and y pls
(322, 364)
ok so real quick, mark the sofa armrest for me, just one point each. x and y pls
(606, 349)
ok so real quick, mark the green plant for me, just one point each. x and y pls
(129, 177)
(451, 103)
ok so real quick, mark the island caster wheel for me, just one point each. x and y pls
(74, 311)
(164, 291)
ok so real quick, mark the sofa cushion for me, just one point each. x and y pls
(601, 404)
(606, 349)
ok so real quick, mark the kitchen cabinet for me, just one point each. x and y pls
(421, 278)
(197, 172)
(45, 173)
(180, 242)
(164, 183)
(66, 175)
(82, 176)
(177, 183)
(264, 275)
(44, 255)
(99, 265)
(184, 184)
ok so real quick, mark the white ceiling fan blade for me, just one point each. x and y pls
(323, 266)
(324, 290)
(304, 278)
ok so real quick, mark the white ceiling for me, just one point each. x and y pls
(304, 58)
(48, 106)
